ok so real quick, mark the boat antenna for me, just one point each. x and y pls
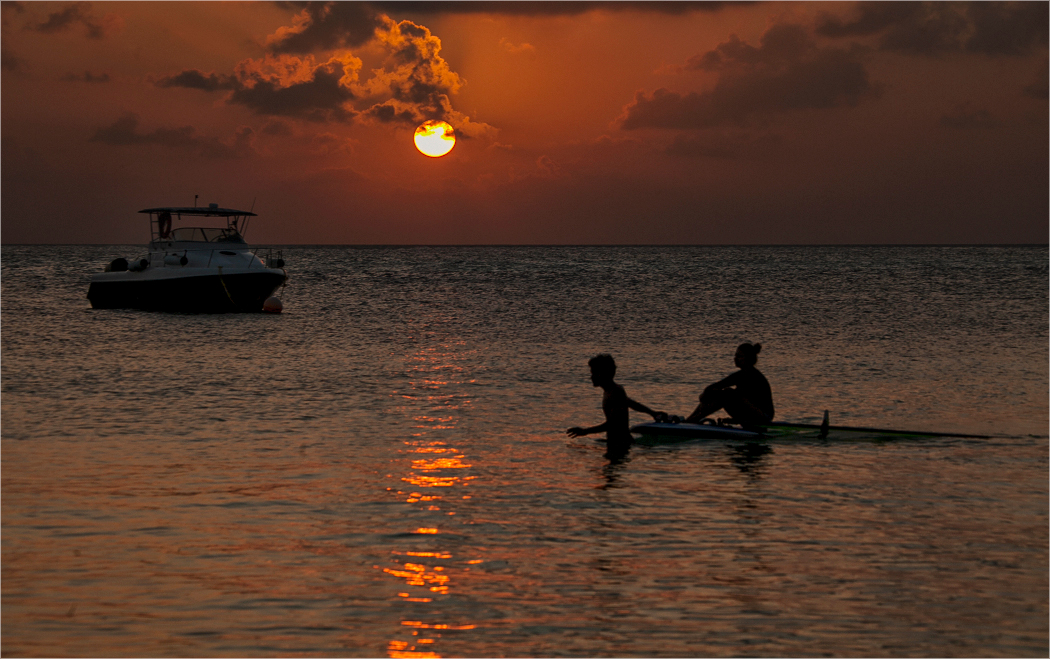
(253, 204)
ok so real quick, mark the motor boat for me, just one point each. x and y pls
(192, 269)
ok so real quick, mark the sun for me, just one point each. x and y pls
(435, 138)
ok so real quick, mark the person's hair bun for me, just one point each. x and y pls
(758, 348)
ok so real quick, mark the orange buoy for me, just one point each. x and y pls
(272, 305)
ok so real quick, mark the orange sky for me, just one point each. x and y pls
(585, 123)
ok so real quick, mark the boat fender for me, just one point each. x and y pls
(137, 266)
(117, 265)
(272, 305)
(279, 263)
(175, 259)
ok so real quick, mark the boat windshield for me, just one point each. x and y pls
(206, 235)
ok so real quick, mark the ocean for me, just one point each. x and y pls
(383, 470)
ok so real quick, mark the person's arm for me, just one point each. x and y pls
(576, 431)
(635, 405)
(724, 383)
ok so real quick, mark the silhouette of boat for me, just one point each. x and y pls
(192, 269)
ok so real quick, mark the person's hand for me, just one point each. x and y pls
(660, 417)
(575, 431)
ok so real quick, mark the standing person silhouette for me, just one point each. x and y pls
(616, 406)
(745, 395)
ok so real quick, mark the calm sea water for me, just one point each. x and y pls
(382, 470)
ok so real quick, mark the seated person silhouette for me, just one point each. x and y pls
(745, 395)
(616, 405)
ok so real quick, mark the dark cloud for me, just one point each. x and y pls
(125, 132)
(86, 76)
(968, 119)
(780, 45)
(721, 146)
(283, 86)
(1040, 87)
(78, 13)
(194, 79)
(548, 8)
(8, 7)
(320, 92)
(330, 25)
(11, 62)
(392, 112)
(241, 145)
(936, 28)
(326, 26)
(786, 72)
(278, 127)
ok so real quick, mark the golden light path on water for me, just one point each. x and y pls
(436, 470)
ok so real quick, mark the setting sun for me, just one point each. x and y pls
(435, 138)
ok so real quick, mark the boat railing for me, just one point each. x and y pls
(206, 235)
(273, 258)
(266, 256)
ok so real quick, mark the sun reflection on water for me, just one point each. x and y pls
(429, 573)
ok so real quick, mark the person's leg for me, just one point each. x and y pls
(709, 404)
(744, 411)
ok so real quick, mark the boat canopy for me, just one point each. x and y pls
(204, 211)
(161, 229)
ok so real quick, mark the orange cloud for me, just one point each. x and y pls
(414, 84)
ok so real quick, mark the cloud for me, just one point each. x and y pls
(332, 25)
(787, 72)
(86, 76)
(78, 13)
(1040, 87)
(967, 119)
(721, 146)
(283, 85)
(125, 132)
(780, 45)
(544, 168)
(527, 8)
(415, 74)
(298, 87)
(194, 79)
(278, 127)
(524, 48)
(330, 143)
(414, 83)
(326, 26)
(937, 28)
(11, 62)
(8, 7)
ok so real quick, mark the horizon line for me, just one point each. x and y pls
(672, 245)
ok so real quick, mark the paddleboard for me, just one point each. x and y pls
(691, 431)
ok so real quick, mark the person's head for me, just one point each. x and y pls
(747, 354)
(603, 368)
